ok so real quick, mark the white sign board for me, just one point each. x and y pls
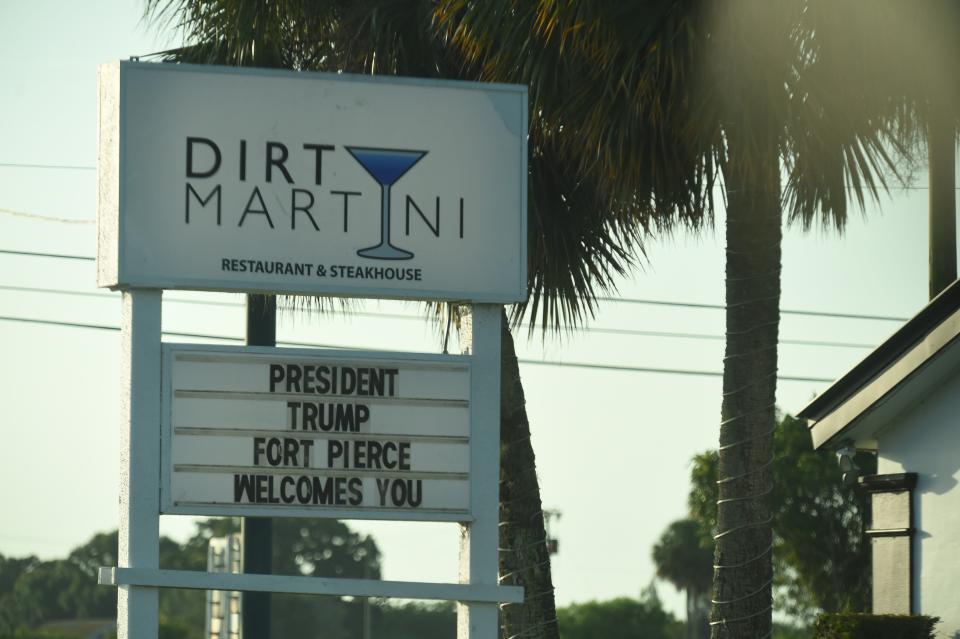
(283, 432)
(217, 178)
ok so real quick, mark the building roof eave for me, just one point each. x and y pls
(885, 382)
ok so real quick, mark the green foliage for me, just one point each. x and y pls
(414, 621)
(821, 555)
(863, 626)
(101, 550)
(620, 618)
(323, 548)
(682, 559)
(182, 611)
(33, 592)
(59, 590)
(788, 631)
(820, 524)
(579, 239)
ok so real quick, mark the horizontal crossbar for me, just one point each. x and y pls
(156, 578)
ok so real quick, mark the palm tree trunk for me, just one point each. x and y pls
(524, 557)
(699, 615)
(941, 149)
(741, 606)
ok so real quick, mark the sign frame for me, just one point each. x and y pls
(169, 507)
(112, 223)
(138, 575)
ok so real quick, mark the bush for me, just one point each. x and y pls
(845, 625)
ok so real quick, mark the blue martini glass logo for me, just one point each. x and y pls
(386, 166)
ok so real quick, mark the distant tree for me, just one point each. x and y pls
(820, 524)
(821, 554)
(101, 550)
(320, 548)
(323, 548)
(192, 554)
(414, 621)
(12, 567)
(33, 592)
(59, 590)
(621, 618)
(684, 560)
(311, 547)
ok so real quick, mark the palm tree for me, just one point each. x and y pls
(682, 559)
(579, 242)
(920, 73)
(660, 101)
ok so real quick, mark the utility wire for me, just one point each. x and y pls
(536, 362)
(622, 300)
(105, 327)
(46, 218)
(783, 311)
(56, 255)
(68, 167)
(411, 318)
(849, 187)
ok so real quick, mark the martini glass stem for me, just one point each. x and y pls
(385, 214)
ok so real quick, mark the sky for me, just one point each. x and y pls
(613, 447)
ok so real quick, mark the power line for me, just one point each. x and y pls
(536, 362)
(84, 167)
(68, 167)
(106, 327)
(783, 311)
(397, 316)
(46, 218)
(622, 300)
(665, 371)
(61, 256)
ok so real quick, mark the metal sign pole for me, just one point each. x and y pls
(139, 535)
(479, 540)
(257, 532)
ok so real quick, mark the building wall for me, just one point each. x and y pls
(926, 441)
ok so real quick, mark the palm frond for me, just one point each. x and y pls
(577, 248)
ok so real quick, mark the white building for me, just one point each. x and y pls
(903, 402)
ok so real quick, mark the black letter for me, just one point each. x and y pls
(243, 160)
(276, 375)
(434, 228)
(262, 211)
(346, 197)
(319, 149)
(243, 485)
(277, 162)
(203, 202)
(216, 156)
(355, 486)
(305, 209)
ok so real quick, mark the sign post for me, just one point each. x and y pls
(269, 182)
(257, 532)
(138, 536)
(480, 540)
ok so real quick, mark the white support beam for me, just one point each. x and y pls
(139, 535)
(479, 540)
(136, 577)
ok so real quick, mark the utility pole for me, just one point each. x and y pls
(941, 148)
(257, 532)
